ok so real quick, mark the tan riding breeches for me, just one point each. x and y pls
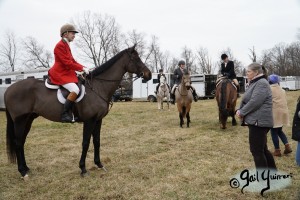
(236, 82)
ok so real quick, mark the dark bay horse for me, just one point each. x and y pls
(226, 96)
(27, 99)
(184, 98)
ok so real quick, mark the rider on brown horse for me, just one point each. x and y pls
(178, 73)
(227, 69)
(63, 71)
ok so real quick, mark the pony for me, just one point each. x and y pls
(226, 96)
(184, 98)
(27, 99)
(163, 92)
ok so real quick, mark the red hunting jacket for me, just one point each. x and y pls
(63, 70)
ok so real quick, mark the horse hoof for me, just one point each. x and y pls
(104, 169)
(25, 178)
(84, 174)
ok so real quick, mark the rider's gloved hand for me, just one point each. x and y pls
(86, 70)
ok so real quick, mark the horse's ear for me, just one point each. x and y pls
(133, 48)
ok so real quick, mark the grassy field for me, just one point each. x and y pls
(146, 154)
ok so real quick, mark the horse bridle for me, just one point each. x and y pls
(90, 83)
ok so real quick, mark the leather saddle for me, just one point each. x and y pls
(63, 93)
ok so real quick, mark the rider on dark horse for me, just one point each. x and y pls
(227, 70)
(178, 73)
(161, 73)
(63, 71)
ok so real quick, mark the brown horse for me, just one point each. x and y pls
(184, 98)
(28, 99)
(226, 96)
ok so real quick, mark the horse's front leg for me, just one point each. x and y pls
(96, 142)
(88, 128)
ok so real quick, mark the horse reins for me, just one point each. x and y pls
(90, 83)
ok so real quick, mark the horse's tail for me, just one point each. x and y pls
(223, 103)
(183, 112)
(10, 139)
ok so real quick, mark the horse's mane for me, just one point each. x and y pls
(108, 64)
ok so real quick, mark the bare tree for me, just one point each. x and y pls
(252, 54)
(35, 54)
(189, 58)
(8, 52)
(99, 37)
(204, 61)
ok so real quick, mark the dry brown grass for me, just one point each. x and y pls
(147, 156)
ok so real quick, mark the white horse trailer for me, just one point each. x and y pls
(290, 82)
(142, 90)
(204, 84)
(7, 79)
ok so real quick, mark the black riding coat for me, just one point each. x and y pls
(296, 124)
(178, 75)
(228, 70)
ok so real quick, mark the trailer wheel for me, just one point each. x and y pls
(151, 98)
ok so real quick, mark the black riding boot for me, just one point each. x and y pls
(172, 98)
(238, 91)
(195, 95)
(66, 115)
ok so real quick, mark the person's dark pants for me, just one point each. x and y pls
(277, 132)
(263, 158)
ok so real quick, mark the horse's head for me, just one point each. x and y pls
(136, 65)
(162, 79)
(186, 79)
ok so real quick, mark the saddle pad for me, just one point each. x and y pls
(60, 95)
(221, 80)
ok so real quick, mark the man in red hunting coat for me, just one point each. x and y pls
(63, 71)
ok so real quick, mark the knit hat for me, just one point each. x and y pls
(273, 78)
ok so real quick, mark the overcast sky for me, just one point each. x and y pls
(214, 24)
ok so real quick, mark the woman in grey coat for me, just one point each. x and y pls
(256, 112)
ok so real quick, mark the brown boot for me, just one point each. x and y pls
(287, 149)
(277, 152)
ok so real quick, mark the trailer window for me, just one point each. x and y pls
(8, 81)
(0, 81)
(30, 76)
(144, 81)
(155, 81)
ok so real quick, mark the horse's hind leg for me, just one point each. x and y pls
(88, 128)
(96, 142)
(234, 123)
(22, 127)
(188, 119)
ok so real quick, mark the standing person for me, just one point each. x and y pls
(63, 71)
(178, 73)
(256, 112)
(296, 130)
(161, 73)
(280, 116)
(227, 69)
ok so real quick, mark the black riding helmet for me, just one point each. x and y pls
(181, 63)
(224, 56)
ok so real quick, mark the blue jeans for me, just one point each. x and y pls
(275, 133)
(298, 154)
